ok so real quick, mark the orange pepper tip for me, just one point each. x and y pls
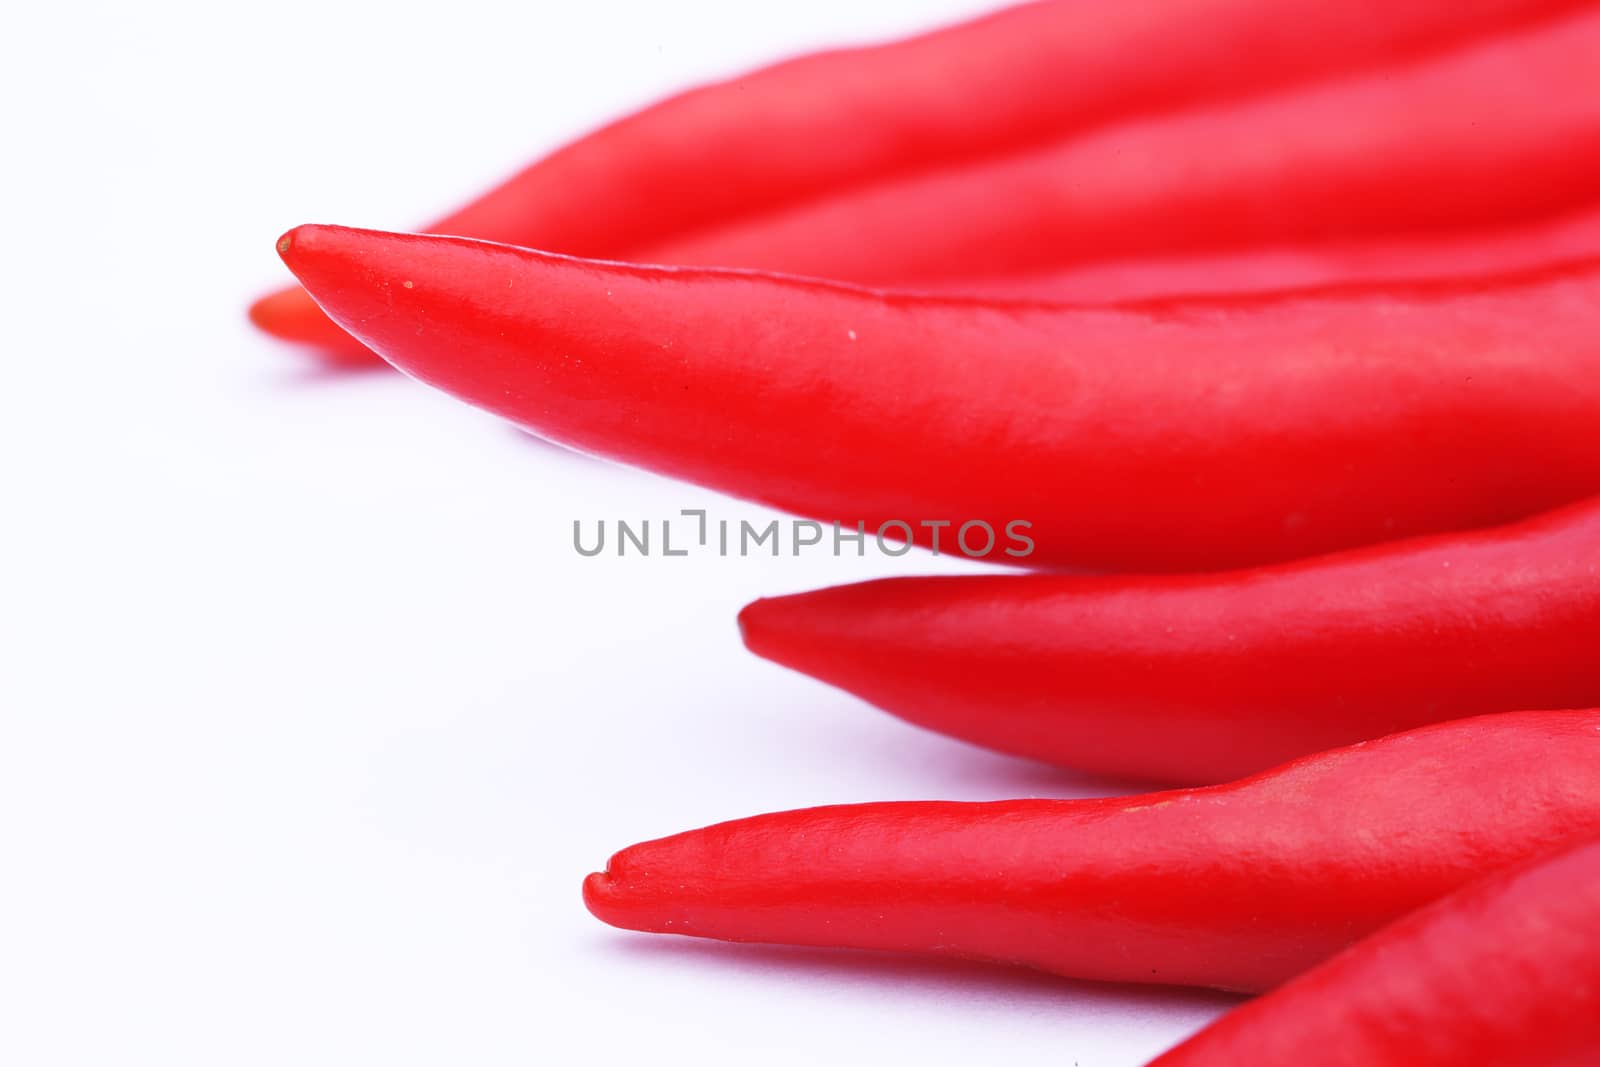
(291, 315)
(275, 311)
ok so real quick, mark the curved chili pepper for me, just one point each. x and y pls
(1506, 971)
(789, 132)
(1204, 678)
(1163, 437)
(1507, 130)
(1237, 886)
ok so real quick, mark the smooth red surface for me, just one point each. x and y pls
(1504, 972)
(1508, 129)
(790, 132)
(1457, 254)
(1238, 886)
(1169, 436)
(1203, 678)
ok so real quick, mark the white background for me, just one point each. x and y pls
(313, 720)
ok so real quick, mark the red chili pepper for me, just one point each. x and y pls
(1204, 678)
(1507, 130)
(1476, 253)
(1238, 886)
(1170, 436)
(1506, 971)
(790, 132)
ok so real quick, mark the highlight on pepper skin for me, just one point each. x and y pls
(1236, 887)
(1102, 134)
(1202, 678)
(1471, 403)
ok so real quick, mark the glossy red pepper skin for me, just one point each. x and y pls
(1506, 971)
(1238, 886)
(793, 131)
(1172, 436)
(1203, 678)
(1482, 252)
(1507, 130)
